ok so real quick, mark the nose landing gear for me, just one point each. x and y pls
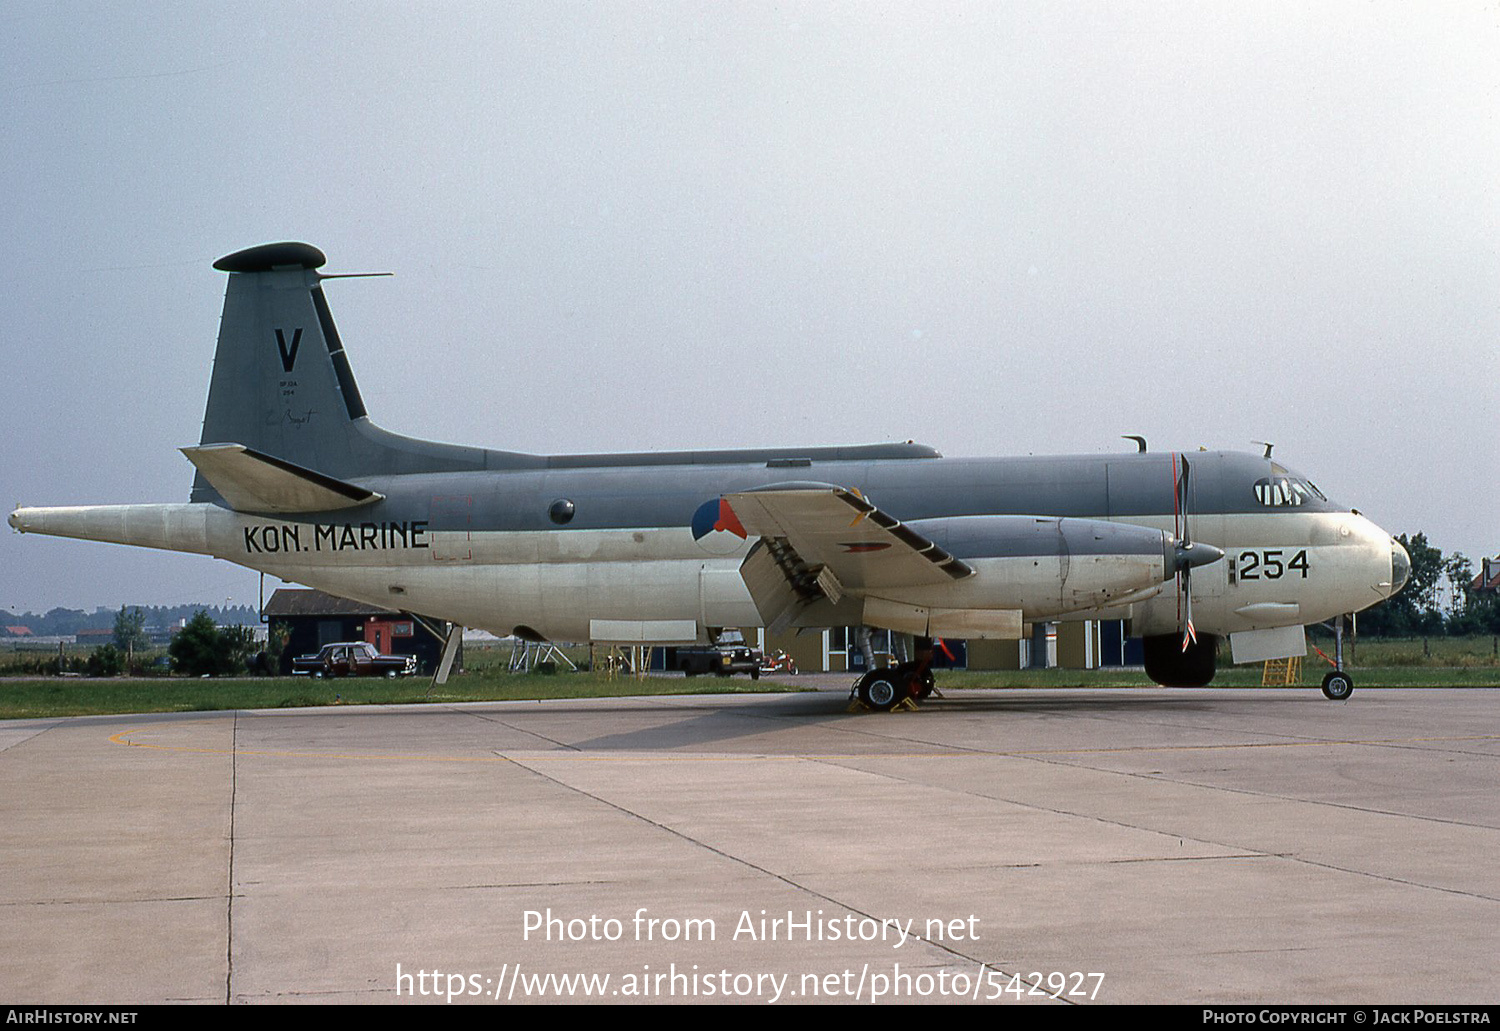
(1338, 685)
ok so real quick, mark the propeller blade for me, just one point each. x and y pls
(1187, 554)
(1183, 498)
(1176, 499)
(1189, 634)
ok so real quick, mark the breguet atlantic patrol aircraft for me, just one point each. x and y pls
(293, 479)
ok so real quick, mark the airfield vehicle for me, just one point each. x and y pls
(725, 657)
(353, 659)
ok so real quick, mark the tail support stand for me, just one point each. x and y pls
(450, 652)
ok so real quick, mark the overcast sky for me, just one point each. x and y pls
(996, 228)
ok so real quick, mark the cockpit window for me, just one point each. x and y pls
(1281, 492)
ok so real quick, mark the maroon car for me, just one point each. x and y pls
(353, 659)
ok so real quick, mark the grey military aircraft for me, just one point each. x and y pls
(293, 479)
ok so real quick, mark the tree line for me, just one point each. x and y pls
(62, 622)
(1437, 600)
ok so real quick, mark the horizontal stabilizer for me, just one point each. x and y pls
(250, 481)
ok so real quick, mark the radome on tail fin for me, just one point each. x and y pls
(282, 385)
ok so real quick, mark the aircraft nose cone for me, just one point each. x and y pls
(1400, 567)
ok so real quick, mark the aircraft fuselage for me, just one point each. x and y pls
(483, 548)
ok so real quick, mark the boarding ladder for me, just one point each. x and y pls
(1282, 672)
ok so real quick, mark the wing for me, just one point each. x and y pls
(821, 542)
(836, 529)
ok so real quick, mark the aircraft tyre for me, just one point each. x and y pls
(881, 689)
(1338, 686)
(1170, 666)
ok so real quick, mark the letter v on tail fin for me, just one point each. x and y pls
(282, 384)
(252, 482)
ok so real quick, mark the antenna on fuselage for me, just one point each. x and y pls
(1140, 442)
(1265, 444)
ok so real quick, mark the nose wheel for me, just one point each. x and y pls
(1337, 686)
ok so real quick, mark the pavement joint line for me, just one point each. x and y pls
(520, 884)
(520, 730)
(1398, 880)
(18, 903)
(234, 770)
(1181, 781)
(1302, 801)
(1133, 721)
(35, 733)
(122, 738)
(1291, 738)
(1254, 854)
(940, 946)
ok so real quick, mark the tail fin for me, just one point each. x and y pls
(282, 384)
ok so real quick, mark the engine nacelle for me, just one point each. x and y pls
(1027, 569)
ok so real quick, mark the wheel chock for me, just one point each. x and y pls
(907, 704)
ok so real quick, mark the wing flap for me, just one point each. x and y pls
(250, 481)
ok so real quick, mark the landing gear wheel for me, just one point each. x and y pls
(881, 689)
(1337, 686)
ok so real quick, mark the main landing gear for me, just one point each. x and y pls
(894, 686)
